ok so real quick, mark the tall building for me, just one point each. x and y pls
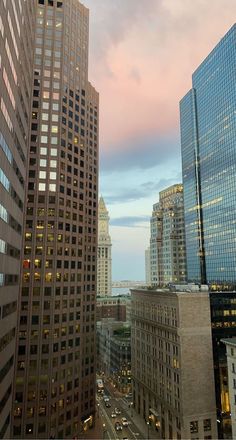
(104, 277)
(16, 56)
(155, 229)
(167, 244)
(167, 330)
(223, 321)
(231, 367)
(147, 267)
(208, 137)
(54, 392)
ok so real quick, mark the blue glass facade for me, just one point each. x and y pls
(208, 141)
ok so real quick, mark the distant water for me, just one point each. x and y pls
(119, 291)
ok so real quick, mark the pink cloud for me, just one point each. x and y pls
(147, 55)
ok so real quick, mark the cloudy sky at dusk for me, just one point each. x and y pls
(142, 55)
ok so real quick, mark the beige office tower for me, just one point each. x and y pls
(167, 243)
(172, 363)
(16, 56)
(104, 278)
(54, 392)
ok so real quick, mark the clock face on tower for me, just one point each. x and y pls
(103, 226)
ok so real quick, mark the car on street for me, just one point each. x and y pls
(105, 398)
(107, 404)
(118, 426)
(113, 414)
(124, 421)
(117, 411)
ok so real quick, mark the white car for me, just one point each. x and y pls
(117, 411)
(124, 421)
(113, 415)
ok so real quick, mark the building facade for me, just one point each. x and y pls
(223, 321)
(116, 307)
(167, 244)
(167, 330)
(16, 56)
(114, 352)
(231, 367)
(208, 139)
(147, 267)
(104, 277)
(54, 393)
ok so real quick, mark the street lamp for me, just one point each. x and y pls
(104, 430)
(148, 423)
(131, 409)
(98, 410)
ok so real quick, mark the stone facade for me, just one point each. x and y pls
(172, 363)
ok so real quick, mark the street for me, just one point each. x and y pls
(109, 431)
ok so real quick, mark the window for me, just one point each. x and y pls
(207, 424)
(194, 426)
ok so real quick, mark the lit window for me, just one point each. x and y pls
(54, 129)
(44, 139)
(55, 118)
(44, 127)
(53, 152)
(42, 186)
(42, 174)
(43, 151)
(52, 187)
(53, 163)
(45, 95)
(43, 162)
(53, 176)
(54, 140)
(45, 116)
(45, 105)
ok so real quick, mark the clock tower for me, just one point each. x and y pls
(104, 282)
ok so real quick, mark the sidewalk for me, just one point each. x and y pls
(95, 433)
(138, 420)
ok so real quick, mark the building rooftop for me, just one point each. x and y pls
(230, 341)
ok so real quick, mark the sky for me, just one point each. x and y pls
(142, 56)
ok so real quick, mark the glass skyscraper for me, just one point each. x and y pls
(208, 140)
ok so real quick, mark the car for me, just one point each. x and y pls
(105, 398)
(118, 426)
(113, 414)
(117, 411)
(124, 421)
(107, 404)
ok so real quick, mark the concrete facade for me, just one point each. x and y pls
(104, 262)
(172, 363)
(16, 57)
(167, 243)
(147, 266)
(231, 363)
(54, 393)
(116, 307)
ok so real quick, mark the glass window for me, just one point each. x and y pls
(44, 139)
(42, 186)
(42, 174)
(43, 151)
